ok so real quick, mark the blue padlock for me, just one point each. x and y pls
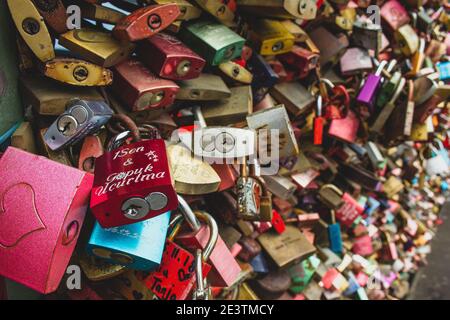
(372, 205)
(264, 77)
(444, 70)
(137, 246)
(259, 264)
(334, 235)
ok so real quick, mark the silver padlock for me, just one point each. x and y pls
(80, 119)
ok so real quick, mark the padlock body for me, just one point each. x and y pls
(43, 208)
(140, 89)
(176, 277)
(145, 22)
(137, 246)
(213, 41)
(169, 58)
(225, 269)
(367, 94)
(136, 170)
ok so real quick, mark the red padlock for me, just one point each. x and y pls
(91, 149)
(132, 183)
(277, 222)
(145, 22)
(169, 58)
(225, 268)
(176, 276)
(42, 208)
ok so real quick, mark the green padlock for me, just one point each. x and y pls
(215, 42)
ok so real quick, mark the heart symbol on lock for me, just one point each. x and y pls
(19, 216)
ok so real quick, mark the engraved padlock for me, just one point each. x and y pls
(254, 200)
(80, 119)
(132, 182)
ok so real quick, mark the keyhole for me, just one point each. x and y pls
(80, 73)
(221, 11)
(154, 21)
(31, 26)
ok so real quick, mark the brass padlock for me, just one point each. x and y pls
(230, 110)
(32, 28)
(207, 87)
(295, 97)
(191, 175)
(287, 248)
(270, 37)
(23, 138)
(254, 201)
(77, 72)
(96, 12)
(96, 46)
(188, 11)
(50, 98)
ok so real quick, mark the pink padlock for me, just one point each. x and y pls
(42, 208)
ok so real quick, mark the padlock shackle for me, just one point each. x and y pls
(332, 187)
(118, 140)
(188, 214)
(121, 122)
(176, 221)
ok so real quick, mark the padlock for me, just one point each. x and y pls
(347, 208)
(367, 35)
(51, 218)
(280, 186)
(80, 119)
(169, 58)
(60, 156)
(272, 119)
(206, 87)
(191, 175)
(146, 22)
(418, 58)
(96, 269)
(389, 86)
(137, 246)
(213, 41)
(23, 138)
(306, 271)
(140, 89)
(387, 110)
(368, 92)
(270, 37)
(394, 14)
(32, 28)
(376, 157)
(219, 10)
(363, 246)
(331, 46)
(51, 98)
(91, 149)
(132, 182)
(130, 286)
(319, 123)
(97, 12)
(230, 110)
(295, 97)
(295, 246)
(54, 14)
(188, 11)
(225, 269)
(264, 77)
(436, 165)
(176, 276)
(254, 200)
(407, 39)
(77, 72)
(355, 60)
(272, 285)
(345, 129)
(250, 249)
(98, 47)
(235, 72)
(300, 9)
